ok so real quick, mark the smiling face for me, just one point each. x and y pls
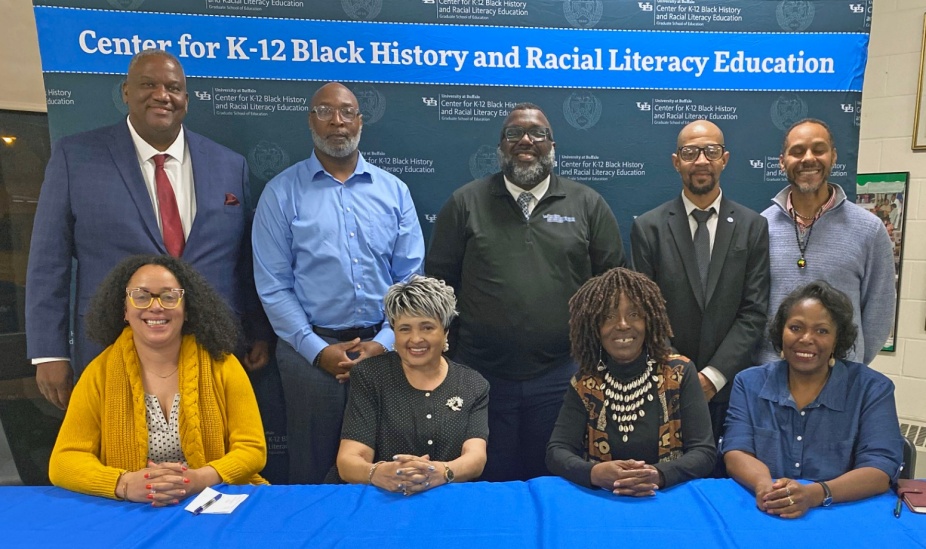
(155, 327)
(809, 337)
(336, 137)
(701, 176)
(808, 159)
(526, 162)
(155, 92)
(623, 331)
(419, 341)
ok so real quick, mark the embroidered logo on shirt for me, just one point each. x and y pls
(556, 218)
(455, 403)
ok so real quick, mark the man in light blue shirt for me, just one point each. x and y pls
(331, 234)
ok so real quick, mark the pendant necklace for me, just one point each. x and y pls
(801, 242)
(626, 399)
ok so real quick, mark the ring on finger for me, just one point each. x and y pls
(427, 483)
(790, 500)
(789, 491)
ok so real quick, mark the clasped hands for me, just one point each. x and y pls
(408, 474)
(162, 484)
(338, 358)
(785, 497)
(626, 477)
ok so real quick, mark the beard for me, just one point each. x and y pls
(336, 151)
(526, 177)
(702, 189)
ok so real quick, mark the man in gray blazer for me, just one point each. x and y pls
(713, 271)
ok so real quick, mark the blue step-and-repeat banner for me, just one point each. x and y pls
(436, 78)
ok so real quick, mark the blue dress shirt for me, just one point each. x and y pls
(851, 424)
(325, 252)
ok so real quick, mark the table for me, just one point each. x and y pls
(542, 513)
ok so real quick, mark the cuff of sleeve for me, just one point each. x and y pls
(385, 337)
(717, 378)
(43, 360)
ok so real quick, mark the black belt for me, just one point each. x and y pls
(350, 333)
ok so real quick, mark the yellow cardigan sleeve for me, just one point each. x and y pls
(246, 447)
(75, 460)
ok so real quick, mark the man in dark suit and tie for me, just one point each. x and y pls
(145, 185)
(709, 256)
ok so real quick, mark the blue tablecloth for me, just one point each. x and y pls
(543, 513)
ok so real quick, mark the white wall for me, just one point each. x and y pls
(888, 104)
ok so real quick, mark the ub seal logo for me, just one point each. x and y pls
(582, 13)
(267, 159)
(795, 15)
(582, 110)
(125, 4)
(362, 9)
(483, 162)
(788, 109)
(372, 103)
(117, 98)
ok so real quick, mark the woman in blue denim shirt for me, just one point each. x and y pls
(813, 416)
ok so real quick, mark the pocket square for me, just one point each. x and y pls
(231, 200)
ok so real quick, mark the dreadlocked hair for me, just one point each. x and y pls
(598, 297)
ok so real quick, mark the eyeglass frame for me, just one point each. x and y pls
(348, 117)
(128, 293)
(548, 134)
(701, 150)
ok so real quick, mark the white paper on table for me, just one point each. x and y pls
(225, 505)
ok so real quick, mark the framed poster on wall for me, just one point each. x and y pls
(885, 195)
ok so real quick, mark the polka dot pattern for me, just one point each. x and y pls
(389, 415)
(163, 434)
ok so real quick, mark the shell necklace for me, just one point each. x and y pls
(626, 399)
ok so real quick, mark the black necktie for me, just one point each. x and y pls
(702, 244)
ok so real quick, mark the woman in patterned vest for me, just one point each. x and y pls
(635, 419)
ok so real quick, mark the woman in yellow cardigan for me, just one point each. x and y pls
(166, 410)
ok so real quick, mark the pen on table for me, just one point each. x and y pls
(206, 505)
(899, 507)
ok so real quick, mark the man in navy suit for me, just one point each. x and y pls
(101, 201)
(717, 302)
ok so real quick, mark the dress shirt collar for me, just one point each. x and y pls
(538, 191)
(145, 151)
(690, 206)
(362, 171)
(833, 395)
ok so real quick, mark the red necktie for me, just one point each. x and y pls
(167, 205)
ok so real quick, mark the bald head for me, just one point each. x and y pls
(699, 128)
(336, 123)
(333, 89)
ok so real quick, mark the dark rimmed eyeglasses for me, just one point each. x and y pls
(142, 299)
(514, 134)
(690, 153)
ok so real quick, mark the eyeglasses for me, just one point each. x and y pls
(690, 153)
(324, 113)
(142, 299)
(516, 133)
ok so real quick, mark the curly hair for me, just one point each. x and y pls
(208, 317)
(836, 303)
(599, 296)
(421, 296)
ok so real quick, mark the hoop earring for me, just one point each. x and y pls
(601, 366)
(832, 361)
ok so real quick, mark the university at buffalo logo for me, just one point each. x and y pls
(125, 4)
(788, 109)
(483, 162)
(117, 98)
(362, 9)
(582, 110)
(267, 159)
(372, 103)
(582, 13)
(795, 15)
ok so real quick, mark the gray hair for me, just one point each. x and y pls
(153, 52)
(421, 296)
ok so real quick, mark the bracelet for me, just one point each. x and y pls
(373, 470)
(116, 491)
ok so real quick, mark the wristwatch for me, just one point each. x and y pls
(827, 495)
(448, 474)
